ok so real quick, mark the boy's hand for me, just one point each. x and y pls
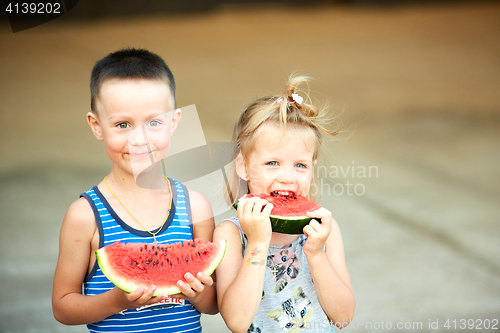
(193, 289)
(139, 297)
(317, 233)
(253, 215)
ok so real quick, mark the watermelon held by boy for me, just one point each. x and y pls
(133, 265)
(289, 212)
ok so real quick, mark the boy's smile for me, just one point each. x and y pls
(284, 167)
(135, 119)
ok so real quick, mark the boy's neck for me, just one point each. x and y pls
(152, 180)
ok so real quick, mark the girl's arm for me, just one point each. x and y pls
(70, 307)
(201, 290)
(325, 254)
(240, 279)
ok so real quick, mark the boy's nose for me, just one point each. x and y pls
(138, 137)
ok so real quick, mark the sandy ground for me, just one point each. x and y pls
(416, 91)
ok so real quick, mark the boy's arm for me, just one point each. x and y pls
(202, 293)
(69, 305)
(328, 268)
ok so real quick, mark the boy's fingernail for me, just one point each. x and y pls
(188, 275)
(153, 287)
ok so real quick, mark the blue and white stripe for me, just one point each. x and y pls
(177, 228)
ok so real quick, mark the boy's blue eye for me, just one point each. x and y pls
(273, 163)
(300, 165)
(154, 123)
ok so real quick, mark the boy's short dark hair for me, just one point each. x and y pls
(129, 63)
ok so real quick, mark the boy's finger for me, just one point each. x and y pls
(205, 279)
(147, 295)
(186, 289)
(194, 282)
(135, 295)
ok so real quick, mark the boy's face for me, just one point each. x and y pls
(135, 119)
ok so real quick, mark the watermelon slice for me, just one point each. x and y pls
(133, 265)
(289, 212)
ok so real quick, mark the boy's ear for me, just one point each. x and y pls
(176, 117)
(240, 167)
(94, 125)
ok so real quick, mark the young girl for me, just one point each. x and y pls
(270, 282)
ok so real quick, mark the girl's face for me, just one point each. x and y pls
(284, 165)
(135, 120)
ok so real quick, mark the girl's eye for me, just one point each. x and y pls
(154, 123)
(273, 163)
(122, 125)
(300, 165)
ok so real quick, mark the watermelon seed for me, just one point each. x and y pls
(153, 247)
(149, 251)
(156, 253)
(165, 254)
(199, 253)
(193, 244)
(141, 249)
(187, 259)
(146, 246)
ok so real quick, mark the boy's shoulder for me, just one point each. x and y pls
(80, 214)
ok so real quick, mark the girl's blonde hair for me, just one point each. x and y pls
(287, 109)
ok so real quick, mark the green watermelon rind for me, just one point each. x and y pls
(130, 285)
(285, 225)
(289, 225)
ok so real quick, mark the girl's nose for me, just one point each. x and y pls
(286, 175)
(138, 136)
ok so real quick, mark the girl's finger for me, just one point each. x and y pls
(267, 209)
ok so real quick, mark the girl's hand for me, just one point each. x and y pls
(193, 289)
(139, 297)
(253, 215)
(317, 233)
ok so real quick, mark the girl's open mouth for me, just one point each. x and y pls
(289, 194)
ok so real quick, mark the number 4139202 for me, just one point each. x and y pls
(33, 8)
(471, 324)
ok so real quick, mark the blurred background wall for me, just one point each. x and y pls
(415, 87)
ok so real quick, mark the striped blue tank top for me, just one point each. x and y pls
(178, 227)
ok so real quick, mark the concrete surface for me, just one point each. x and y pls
(416, 90)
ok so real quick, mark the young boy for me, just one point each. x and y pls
(133, 113)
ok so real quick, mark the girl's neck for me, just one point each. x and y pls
(282, 239)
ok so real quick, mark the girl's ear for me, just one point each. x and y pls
(241, 169)
(94, 125)
(176, 117)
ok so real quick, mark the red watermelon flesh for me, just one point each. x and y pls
(289, 211)
(133, 265)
